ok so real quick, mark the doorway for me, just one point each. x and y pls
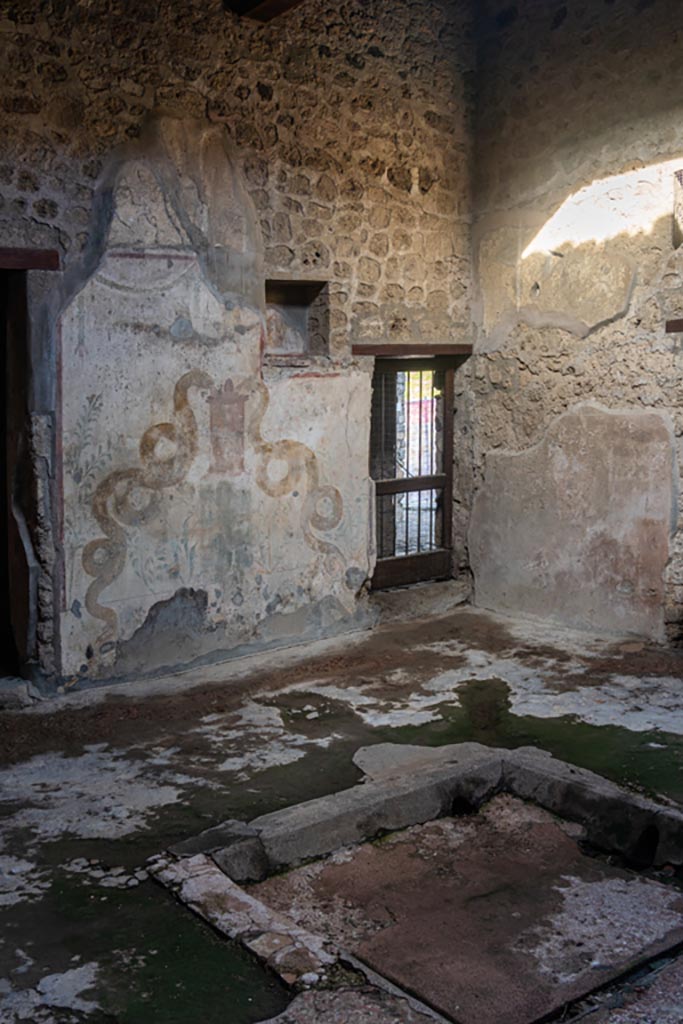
(12, 328)
(19, 569)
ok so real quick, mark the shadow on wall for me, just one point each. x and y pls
(569, 93)
(579, 526)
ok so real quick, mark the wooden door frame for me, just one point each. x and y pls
(24, 489)
(29, 259)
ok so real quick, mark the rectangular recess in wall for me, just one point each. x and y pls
(678, 209)
(298, 318)
(261, 10)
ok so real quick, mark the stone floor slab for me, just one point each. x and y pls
(351, 1006)
(498, 918)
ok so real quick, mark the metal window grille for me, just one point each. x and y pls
(411, 457)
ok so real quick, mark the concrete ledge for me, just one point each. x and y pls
(643, 831)
(409, 785)
(467, 773)
(294, 953)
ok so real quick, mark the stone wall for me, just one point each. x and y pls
(349, 121)
(179, 158)
(574, 401)
(208, 497)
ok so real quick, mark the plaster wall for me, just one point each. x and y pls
(199, 506)
(206, 498)
(573, 401)
(203, 496)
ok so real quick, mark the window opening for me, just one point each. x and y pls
(411, 462)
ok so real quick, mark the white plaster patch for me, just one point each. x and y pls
(276, 753)
(257, 739)
(639, 704)
(20, 880)
(101, 794)
(59, 991)
(578, 643)
(25, 961)
(106, 878)
(602, 924)
(411, 708)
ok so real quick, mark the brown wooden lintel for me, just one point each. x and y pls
(411, 351)
(29, 259)
(406, 569)
(674, 326)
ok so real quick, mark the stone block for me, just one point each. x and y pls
(206, 890)
(420, 785)
(243, 860)
(216, 838)
(645, 833)
(387, 760)
(320, 826)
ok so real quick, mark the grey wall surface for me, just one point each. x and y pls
(578, 137)
(373, 147)
(195, 496)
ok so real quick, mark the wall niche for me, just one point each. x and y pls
(678, 210)
(298, 318)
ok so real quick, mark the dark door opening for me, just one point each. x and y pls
(411, 460)
(13, 569)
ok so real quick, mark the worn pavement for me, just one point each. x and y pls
(94, 783)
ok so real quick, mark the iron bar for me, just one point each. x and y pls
(416, 483)
(406, 406)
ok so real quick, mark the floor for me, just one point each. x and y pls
(95, 783)
(497, 916)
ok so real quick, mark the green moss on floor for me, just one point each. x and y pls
(156, 961)
(159, 963)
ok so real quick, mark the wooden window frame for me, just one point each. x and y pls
(402, 570)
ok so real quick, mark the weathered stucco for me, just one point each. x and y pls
(578, 138)
(350, 123)
(214, 474)
(577, 527)
(203, 503)
(211, 496)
